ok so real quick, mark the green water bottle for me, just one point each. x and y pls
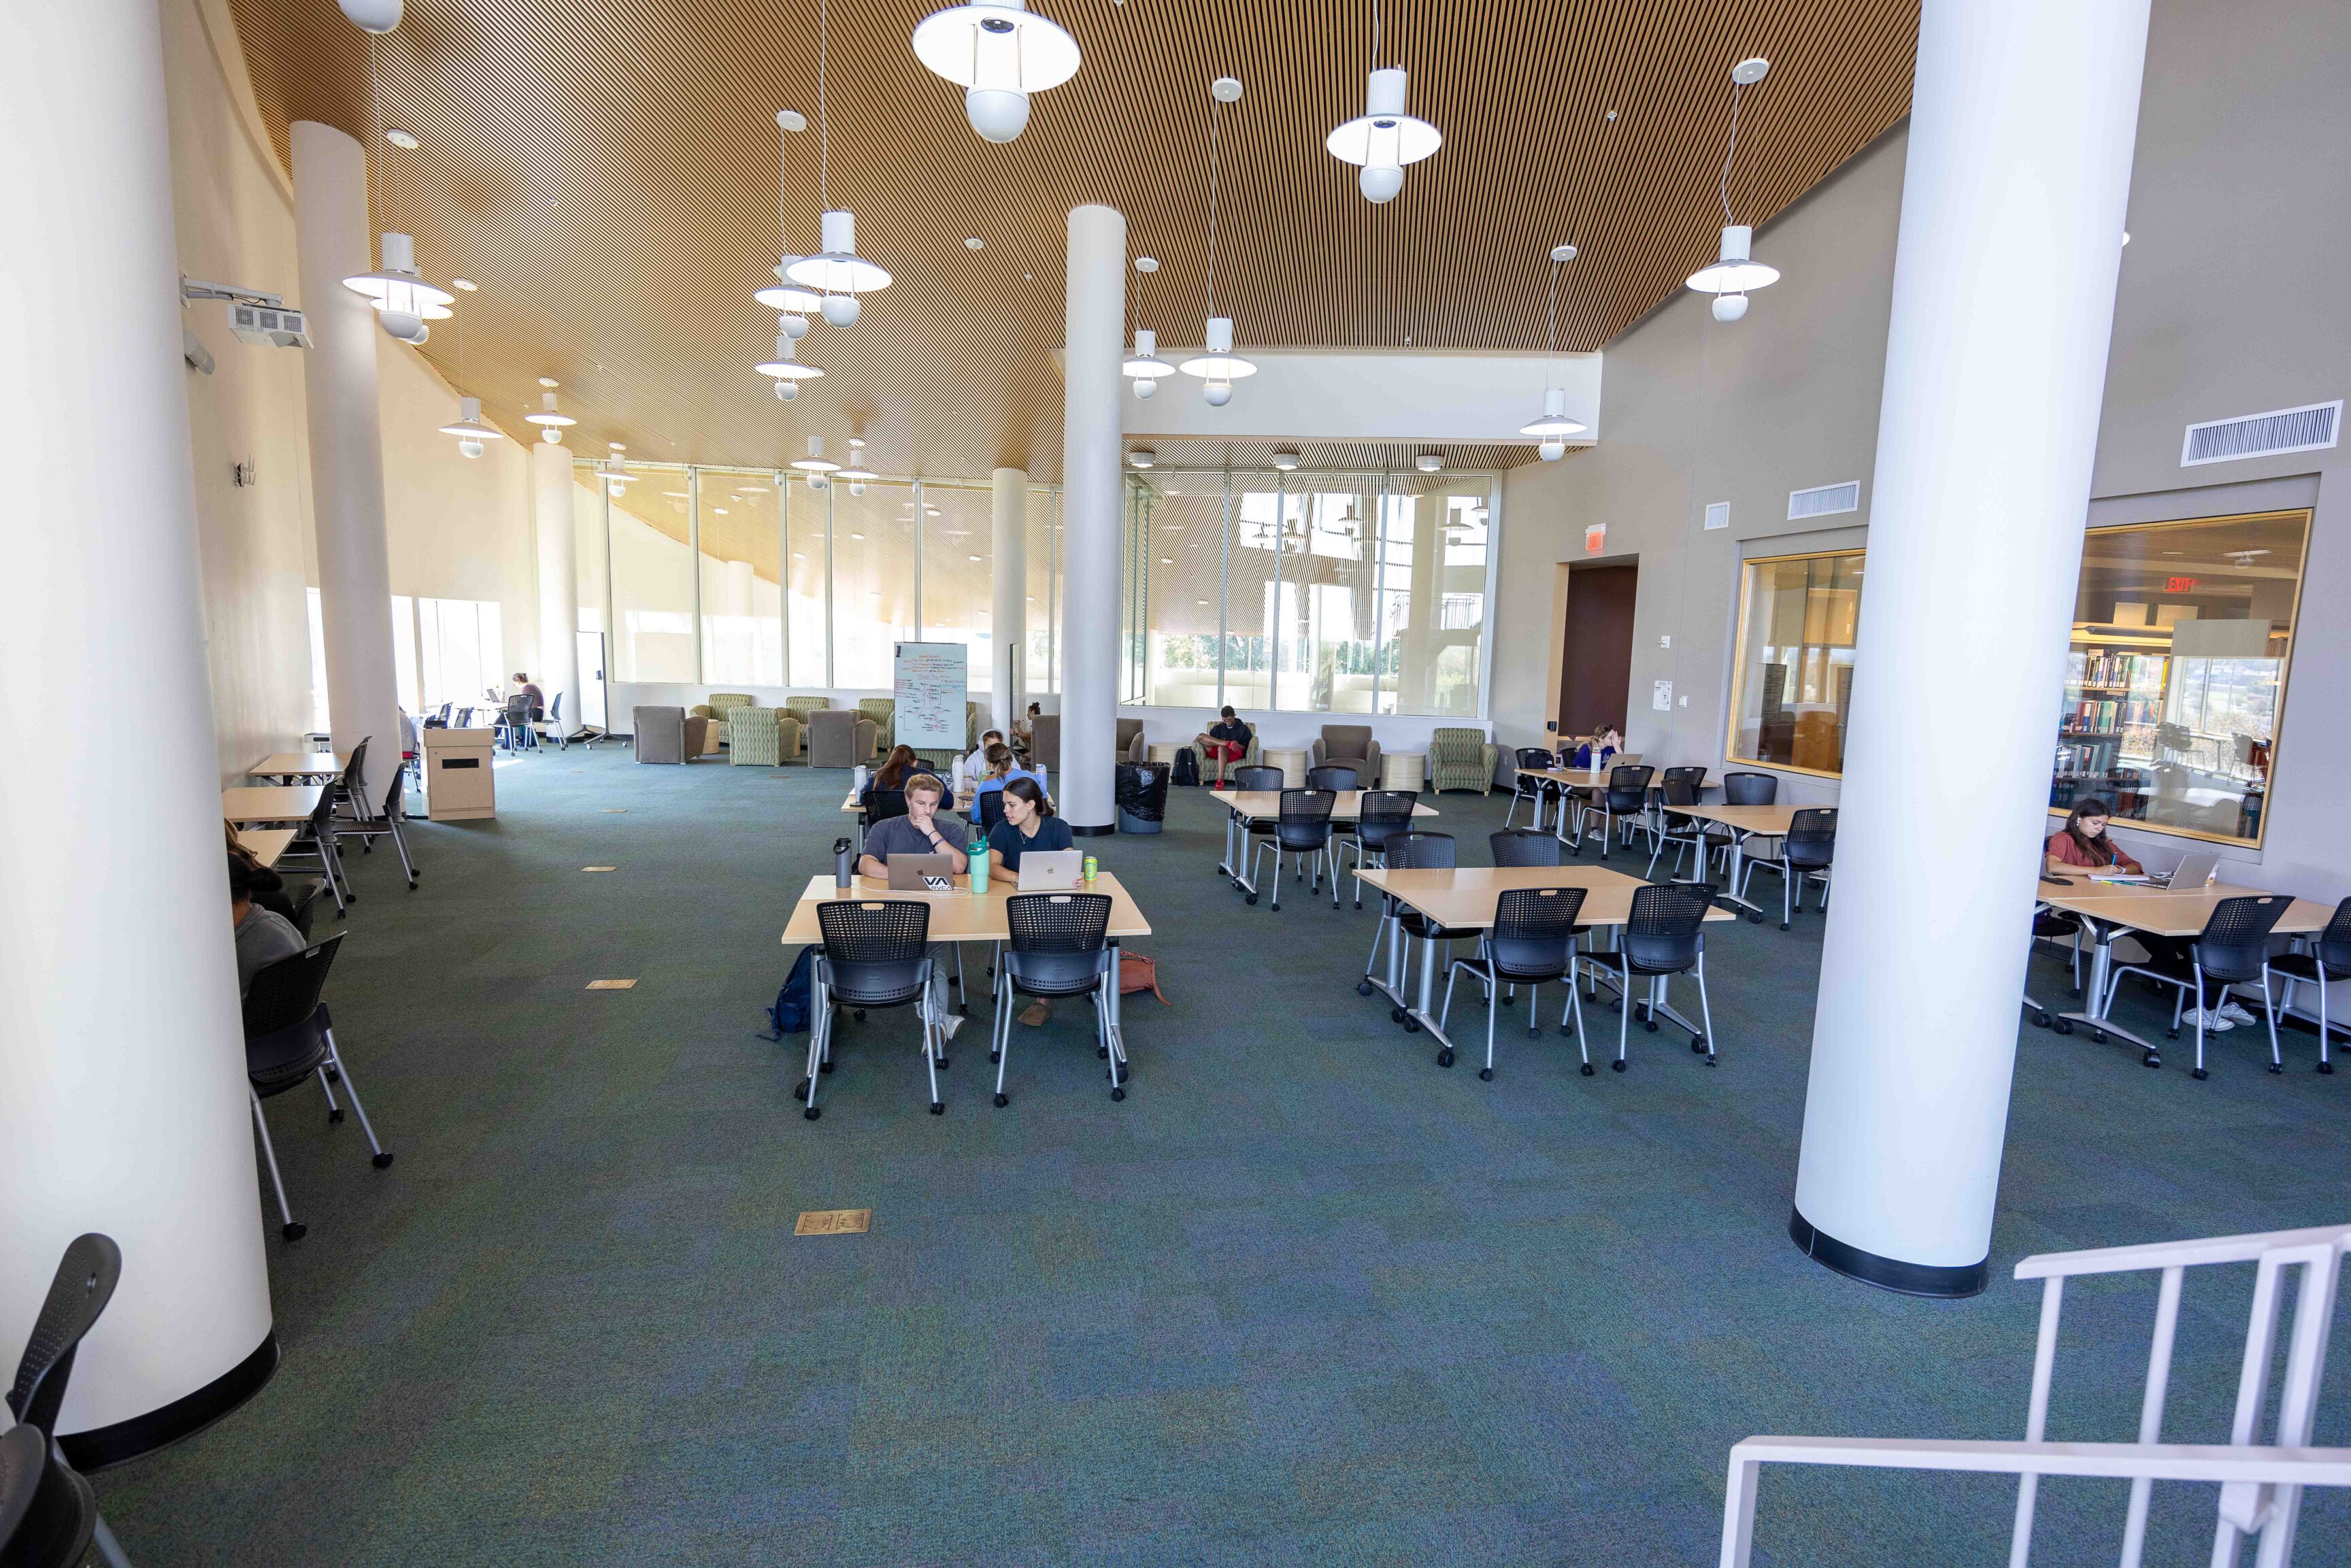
(980, 866)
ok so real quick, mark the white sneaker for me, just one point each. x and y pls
(2229, 1010)
(2213, 1020)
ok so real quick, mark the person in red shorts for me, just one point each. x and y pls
(1226, 741)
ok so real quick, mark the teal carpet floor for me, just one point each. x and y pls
(1301, 1299)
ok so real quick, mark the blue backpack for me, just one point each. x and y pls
(790, 1013)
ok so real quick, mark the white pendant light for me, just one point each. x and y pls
(836, 272)
(550, 421)
(399, 292)
(999, 52)
(856, 473)
(1384, 138)
(815, 463)
(1734, 272)
(787, 366)
(468, 423)
(1553, 428)
(1217, 365)
(1143, 366)
(614, 474)
(797, 304)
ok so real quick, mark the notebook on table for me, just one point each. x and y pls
(1044, 870)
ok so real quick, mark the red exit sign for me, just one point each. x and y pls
(2179, 585)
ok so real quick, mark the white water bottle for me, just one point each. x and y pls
(957, 780)
(857, 782)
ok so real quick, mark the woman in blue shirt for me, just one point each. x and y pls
(1029, 826)
(1001, 771)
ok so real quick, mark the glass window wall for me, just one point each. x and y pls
(650, 528)
(1793, 685)
(740, 546)
(959, 576)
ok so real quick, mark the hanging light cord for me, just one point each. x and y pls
(1376, 34)
(1551, 364)
(822, 201)
(1216, 107)
(1731, 151)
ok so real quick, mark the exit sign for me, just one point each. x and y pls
(2179, 585)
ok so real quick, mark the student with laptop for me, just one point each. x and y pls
(1031, 831)
(2083, 842)
(921, 831)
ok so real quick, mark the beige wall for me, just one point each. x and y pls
(2219, 314)
(457, 528)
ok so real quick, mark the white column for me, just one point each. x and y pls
(1008, 624)
(1095, 318)
(2019, 167)
(121, 1050)
(332, 238)
(557, 669)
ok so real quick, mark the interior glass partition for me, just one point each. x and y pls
(740, 556)
(1792, 687)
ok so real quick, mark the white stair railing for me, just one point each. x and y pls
(2261, 1479)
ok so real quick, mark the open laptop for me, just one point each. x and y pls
(1046, 871)
(2192, 872)
(922, 873)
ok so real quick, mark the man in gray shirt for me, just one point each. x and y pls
(263, 935)
(921, 831)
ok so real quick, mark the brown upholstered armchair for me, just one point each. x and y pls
(838, 738)
(1350, 745)
(1132, 745)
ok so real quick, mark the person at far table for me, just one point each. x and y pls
(975, 766)
(1028, 825)
(1024, 728)
(896, 768)
(921, 831)
(267, 888)
(2083, 841)
(1002, 768)
(526, 687)
(263, 935)
(1225, 741)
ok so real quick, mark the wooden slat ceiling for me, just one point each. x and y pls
(606, 170)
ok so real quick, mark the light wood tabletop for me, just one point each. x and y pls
(1267, 803)
(962, 915)
(266, 844)
(2142, 906)
(301, 765)
(1772, 821)
(1465, 898)
(270, 803)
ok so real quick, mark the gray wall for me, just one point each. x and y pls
(2226, 308)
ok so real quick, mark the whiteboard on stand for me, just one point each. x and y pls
(930, 685)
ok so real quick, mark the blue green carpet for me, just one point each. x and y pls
(1301, 1299)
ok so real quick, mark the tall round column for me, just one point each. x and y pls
(557, 669)
(121, 1048)
(1094, 321)
(332, 242)
(1008, 624)
(2022, 127)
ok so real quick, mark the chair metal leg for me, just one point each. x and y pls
(326, 1087)
(1624, 1015)
(344, 1071)
(1445, 1013)
(2269, 1015)
(1492, 1012)
(1574, 1009)
(110, 1551)
(290, 1229)
(1705, 1010)
(931, 1061)
(1000, 1042)
(2200, 1020)
(2325, 1061)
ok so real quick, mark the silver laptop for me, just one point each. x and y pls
(922, 873)
(2192, 872)
(1043, 870)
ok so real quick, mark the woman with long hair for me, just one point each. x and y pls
(1029, 826)
(2083, 841)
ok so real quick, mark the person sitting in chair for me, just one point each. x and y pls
(263, 935)
(1226, 741)
(975, 766)
(527, 688)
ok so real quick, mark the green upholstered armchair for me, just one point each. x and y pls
(975, 719)
(755, 736)
(883, 712)
(1461, 759)
(1214, 772)
(801, 707)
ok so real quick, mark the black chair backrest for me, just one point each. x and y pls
(1693, 777)
(1523, 846)
(321, 825)
(1812, 837)
(1330, 776)
(873, 948)
(78, 1292)
(1531, 761)
(1678, 791)
(1306, 820)
(1751, 788)
(395, 806)
(1662, 934)
(1534, 759)
(555, 710)
(286, 993)
(1628, 787)
(1534, 932)
(880, 805)
(305, 904)
(1256, 778)
(1384, 815)
(991, 809)
(2235, 941)
(1422, 852)
(2334, 942)
(1058, 938)
(347, 787)
(24, 1458)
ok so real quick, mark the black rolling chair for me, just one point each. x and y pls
(991, 810)
(1695, 778)
(880, 805)
(1804, 856)
(2329, 959)
(1523, 847)
(514, 730)
(1623, 803)
(1058, 949)
(1381, 816)
(876, 953)
(1683, 832)
(553, 724)
(2233, 949)
(1332, 778)
(57, 1521)
(1664, 937)
(396, 811)
(313, 847)
(347, 787)
(1257, 781)
(1529, 787)
(1751, 788)
(1410, 852)
(290, 1037)
(1303, 828)
(1264, 780)
(1531, 941)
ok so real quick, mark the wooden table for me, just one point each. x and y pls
(1247, 806)
(266, 844)
(289, 766)
(1587, 782)
(270, 805)
(958, 917)
(1465, 899)
(2109, 909)
(1745, 822)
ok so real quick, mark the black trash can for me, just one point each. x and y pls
(1141, 797)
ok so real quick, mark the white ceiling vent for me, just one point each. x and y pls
(1825, 500)
(1717, 514)
(2310, 428)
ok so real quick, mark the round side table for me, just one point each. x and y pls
(1403, 770)
(1292, 764)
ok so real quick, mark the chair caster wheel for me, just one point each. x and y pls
(2199, 1075)
(1395, 1015)
(1534, 1033)
(812, 1112)
(2150, 1060)
(1363, 988)
(994, 1056)
(1411, 1026)
(1252, 899)
(1616, 1004)
(859, 1015)
(1276, 907)
(1698, 1046)
(1783, 926)
(1443, 1059)
(2326, 1067)
(1754, 920)
(2064, 1026)
(1649, 1024)
(800, 1090)
(383, 1160)
(334, 1073)
(2274, 1068)
(293, 1230)
(335, 1117)
(2171, 1034)
(1588, 1070)
(2099, 1034)
(938, 1108)
(1002, 1101)
(2040, 1020)
(1102, 1053)
(1119, 1092)
(1617, 1065)
(824, 1066)
(1485, 1075)
(1711, 1060)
